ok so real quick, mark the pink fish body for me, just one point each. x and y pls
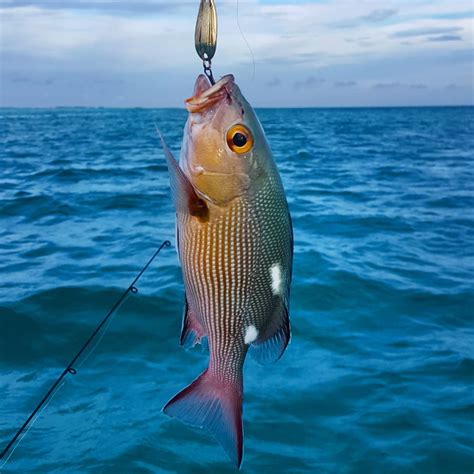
(235, 247)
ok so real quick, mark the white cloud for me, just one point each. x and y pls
(107, 40)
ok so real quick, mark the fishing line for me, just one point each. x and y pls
(33, 421)
(246, 42)
(70, 369)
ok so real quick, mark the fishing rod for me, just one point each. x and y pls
(69, 369)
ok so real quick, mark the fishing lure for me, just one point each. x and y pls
(205, 35)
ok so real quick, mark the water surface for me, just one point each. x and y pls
(378, 376)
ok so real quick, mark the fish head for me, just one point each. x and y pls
(224, 151)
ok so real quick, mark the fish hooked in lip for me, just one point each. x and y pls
(235, 245)
(205, 95)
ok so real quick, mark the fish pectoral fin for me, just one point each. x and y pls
(273, 339)
(184, 195)
(192, 332)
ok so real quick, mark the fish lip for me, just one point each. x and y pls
(212, 95)
(201, 85)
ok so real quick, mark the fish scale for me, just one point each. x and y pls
(224, 268)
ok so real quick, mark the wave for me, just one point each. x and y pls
(49, 325)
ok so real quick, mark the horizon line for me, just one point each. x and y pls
(55, 107)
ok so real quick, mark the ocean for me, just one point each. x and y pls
(378, 377)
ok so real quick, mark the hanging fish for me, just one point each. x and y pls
(235, 246)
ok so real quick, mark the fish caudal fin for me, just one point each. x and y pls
(214, 406)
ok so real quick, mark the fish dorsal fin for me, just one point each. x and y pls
(184, 195)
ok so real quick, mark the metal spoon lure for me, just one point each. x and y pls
(205, 35)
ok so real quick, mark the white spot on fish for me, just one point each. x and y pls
(251, 334)
(275, 272)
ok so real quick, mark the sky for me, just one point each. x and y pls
(327, 53)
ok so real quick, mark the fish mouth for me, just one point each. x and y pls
(205, 95)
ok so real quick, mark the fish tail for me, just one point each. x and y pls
(215, 406)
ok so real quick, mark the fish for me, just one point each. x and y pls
(235, 246)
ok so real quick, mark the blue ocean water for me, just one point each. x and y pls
(379, 373)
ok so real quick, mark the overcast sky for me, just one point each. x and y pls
(302, 53)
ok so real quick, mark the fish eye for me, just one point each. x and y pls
(239, 139)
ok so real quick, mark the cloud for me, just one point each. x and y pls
(109, 81)
(138, 7)
(386, 85)
(345, 84)
(309, 82)
(379, 15)
(374, 16)
(20, 79)
(418, 86)
(398, 85)
(275, 82)
(445, 38)
(85, 45)
(425, 31)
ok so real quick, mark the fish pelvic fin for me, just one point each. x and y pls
(271, 344)
(214, 406)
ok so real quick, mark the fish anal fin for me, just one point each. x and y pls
(184, 195)
(192, 331)
(273, 339)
